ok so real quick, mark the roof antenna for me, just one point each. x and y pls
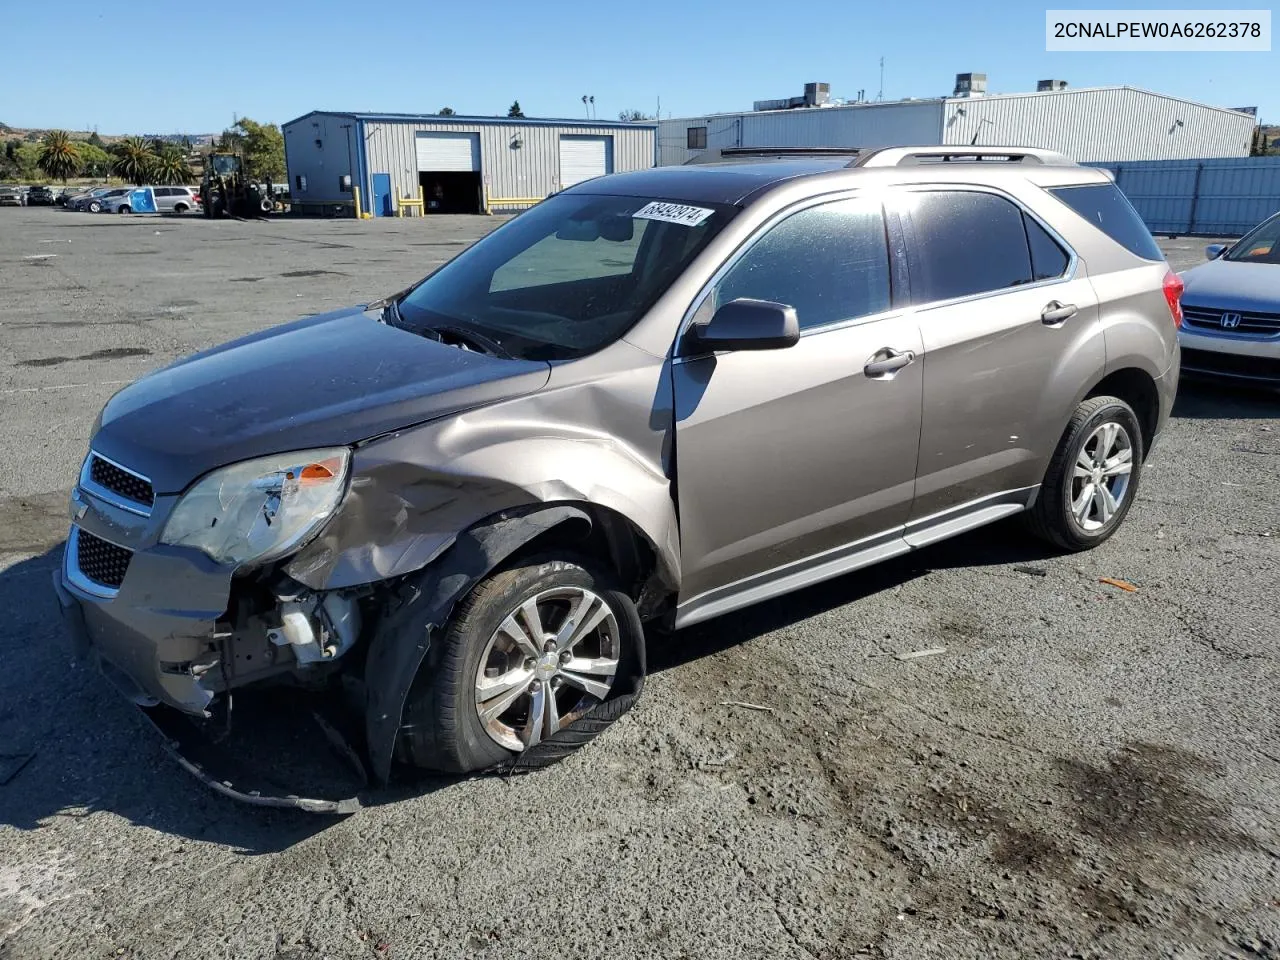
(880, 95)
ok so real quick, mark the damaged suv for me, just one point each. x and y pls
(655, 396)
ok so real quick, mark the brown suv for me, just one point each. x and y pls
(656, 395)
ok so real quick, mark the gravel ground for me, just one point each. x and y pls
(1086, 772)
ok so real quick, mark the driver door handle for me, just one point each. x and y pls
(1055, 312)
(886, 361)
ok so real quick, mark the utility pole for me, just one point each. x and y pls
(880, 95)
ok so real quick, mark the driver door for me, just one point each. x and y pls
(796, 464)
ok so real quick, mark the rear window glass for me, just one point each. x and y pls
(1103, 205)
(966, 243)
(1048, 260)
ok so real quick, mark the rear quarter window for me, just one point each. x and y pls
(1104, 206)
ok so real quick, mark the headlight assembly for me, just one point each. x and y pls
(262, 509)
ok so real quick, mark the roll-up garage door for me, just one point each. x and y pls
(582, 158)
(448, 151)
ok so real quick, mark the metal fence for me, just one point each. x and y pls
(1208, 197)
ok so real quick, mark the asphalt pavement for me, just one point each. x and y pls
(1087, 771)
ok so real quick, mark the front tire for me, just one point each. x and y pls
(125, 209)
(1093, 477)
(530, 650)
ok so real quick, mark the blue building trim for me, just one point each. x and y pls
(362, 164)
(499, 121)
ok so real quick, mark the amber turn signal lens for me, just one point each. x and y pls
(319, 472)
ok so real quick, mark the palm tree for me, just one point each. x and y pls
(59, 156)
(170, 166)
(134, 160)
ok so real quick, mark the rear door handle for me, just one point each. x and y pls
(886, 361)
(1055, 312)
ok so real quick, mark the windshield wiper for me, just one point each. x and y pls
(472, 339)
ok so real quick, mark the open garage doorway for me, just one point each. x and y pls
(449, 171)
(451, 191)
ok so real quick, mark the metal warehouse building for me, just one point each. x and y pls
(1104, 124)
(460, 164)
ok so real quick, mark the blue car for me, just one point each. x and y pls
(1231, 310)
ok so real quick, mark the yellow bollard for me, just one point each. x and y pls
(355, 195)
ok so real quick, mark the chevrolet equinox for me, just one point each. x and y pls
(655, 396)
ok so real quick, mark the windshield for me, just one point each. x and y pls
(1261, 246)
(566, 278)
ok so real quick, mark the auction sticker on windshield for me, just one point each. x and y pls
(672, 213)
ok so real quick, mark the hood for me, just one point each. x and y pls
(328, 380)
(1232, 285)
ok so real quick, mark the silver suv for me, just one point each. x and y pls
(656, 396)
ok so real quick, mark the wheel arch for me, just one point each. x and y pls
(1138, 389)
(418, 607)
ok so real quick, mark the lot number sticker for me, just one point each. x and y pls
(672, 213)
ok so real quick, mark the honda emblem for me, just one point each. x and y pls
(1229, 321)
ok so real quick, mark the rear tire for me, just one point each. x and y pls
(95, 207)
(180, 208)
(125, 209)
(442, 726)
(1093, 477)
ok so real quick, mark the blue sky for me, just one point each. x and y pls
(407, 56)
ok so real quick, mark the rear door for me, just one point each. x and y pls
(792, 461)
(1011, 335)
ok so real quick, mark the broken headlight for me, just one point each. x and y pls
(261, 509)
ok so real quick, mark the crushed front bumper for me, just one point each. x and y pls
(152, 653)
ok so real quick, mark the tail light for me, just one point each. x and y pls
(1173, 287)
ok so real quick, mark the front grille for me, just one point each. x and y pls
(120, 481)
(1251, 324)
(1230, 365)
(100, 561)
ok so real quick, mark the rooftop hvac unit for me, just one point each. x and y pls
(970, 85)
(1043, 86)
(816, 94)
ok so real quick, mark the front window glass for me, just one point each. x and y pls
(566, 278)
(830, 262)
(1261, 246)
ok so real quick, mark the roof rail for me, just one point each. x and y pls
(733, 153)
(911, 156)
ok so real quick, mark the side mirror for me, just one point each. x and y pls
(749, 325)
(1214, 250)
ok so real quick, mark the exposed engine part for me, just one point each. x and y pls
(317, 629)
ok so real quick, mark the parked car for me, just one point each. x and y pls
(158, 200)
(41, 197)
(661, 395)
(66, 194)
(1231, 327)
(108, 199)
(81, 201)
(11, 197)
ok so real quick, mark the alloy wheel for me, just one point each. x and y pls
(1100, 476)
(552, 659)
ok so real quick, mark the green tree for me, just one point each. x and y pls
(59, 156)
(514, 110)
(261, 145)
(445, 112)
(170, 166)
(95, 161)
(28, 161)
(134, 160)
(97, 141)
(634, 116)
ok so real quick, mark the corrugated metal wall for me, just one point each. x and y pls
(322, 165)
(864, 125)
(531, 170)
(1210, 197)
(1112, 124)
